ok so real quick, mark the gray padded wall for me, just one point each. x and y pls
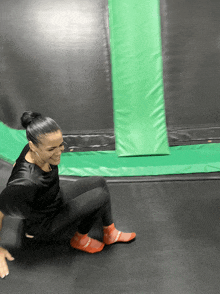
(191, 59)
(55, 59)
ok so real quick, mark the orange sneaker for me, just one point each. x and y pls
(86, 244)
(112, 235)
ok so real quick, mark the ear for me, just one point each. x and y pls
(32, 146)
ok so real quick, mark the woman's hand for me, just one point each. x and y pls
(3, 264)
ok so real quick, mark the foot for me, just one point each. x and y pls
(86, 244)
(112, 235)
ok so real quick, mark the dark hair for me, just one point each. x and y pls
(36, 125)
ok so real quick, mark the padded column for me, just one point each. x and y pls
(135, 41)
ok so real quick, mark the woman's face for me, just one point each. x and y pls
(50, 148)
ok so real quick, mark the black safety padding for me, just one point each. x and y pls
(55, 59)
(191, 60)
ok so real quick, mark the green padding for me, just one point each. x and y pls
(182, 160)
(11, 143)
(139, 115)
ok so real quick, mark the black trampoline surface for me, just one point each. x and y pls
(176, 249)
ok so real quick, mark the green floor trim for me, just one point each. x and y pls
(204, 158)
(182, 160)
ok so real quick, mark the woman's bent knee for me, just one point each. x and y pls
(101, 181)
(100, 195)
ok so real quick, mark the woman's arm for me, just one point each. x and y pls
(14, 201)
(4, 254)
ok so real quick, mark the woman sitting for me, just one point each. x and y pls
(47, 208)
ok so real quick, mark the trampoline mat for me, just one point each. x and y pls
(176, 250)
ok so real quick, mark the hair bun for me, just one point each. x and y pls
(28, 117)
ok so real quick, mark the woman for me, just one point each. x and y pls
(47, 210)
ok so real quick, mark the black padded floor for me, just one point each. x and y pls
(176, 250)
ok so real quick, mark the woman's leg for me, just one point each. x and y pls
(85, 200)
(89, 199)
(111, 234)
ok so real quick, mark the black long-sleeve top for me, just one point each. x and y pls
(32, 194)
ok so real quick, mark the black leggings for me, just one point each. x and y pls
(84, 201)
